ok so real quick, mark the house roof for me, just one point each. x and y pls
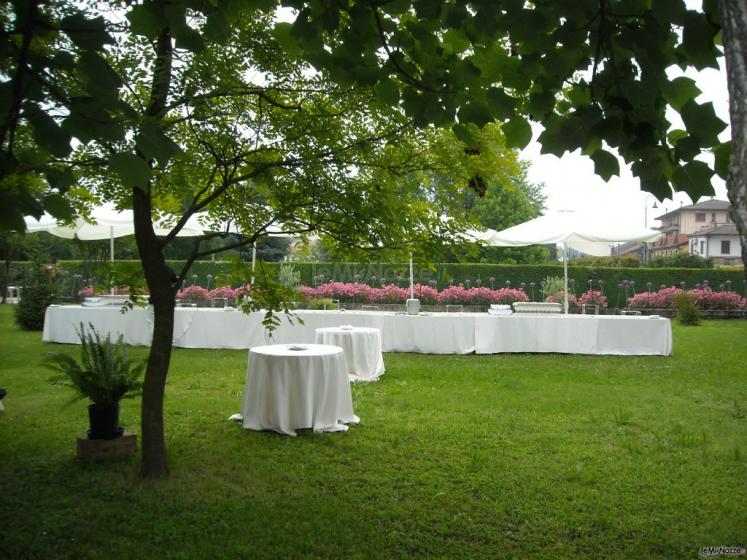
(711, 204)
(723, 229)
(670, 240)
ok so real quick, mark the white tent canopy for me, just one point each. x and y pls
(106, 223)
(592, 234)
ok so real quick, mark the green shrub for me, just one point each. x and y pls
(687, 312)
(552, 286)
(322, 303)
(36, 295)
(105, 374)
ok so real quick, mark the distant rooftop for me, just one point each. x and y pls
(723, 229)
(712, 204)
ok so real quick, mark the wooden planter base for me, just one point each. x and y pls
(102, 449)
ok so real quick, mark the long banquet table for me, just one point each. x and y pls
(438, 333)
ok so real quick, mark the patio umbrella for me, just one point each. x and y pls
(593, 234)
(106, 223)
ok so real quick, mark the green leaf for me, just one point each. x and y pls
(101, 79)
(58, 206)
(133, 170)
(697, 41)
(48, 134)
(146, 20)
(87, 34)
(188, 39)
(605, 164)
(154, 143)
(501, 104)
(694, 178)
(283, 34)
(455, 41)
(687, 148)
(723, 157)
(464, 133)
(476, 112)
(702, 123)
(387, 92)
(668, 12)
(63, 60)
(59, 178)
(216, 27)
(679, 91)
(541, 103)
(518, 133)
(677, 134)
(395, 7)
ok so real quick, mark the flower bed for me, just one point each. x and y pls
(392, 294)
(705, 299)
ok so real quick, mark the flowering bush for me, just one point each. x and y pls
(453, 295)
(705, 298)
(354, 292)
(558, 298)
(194, 294)
(708, 299)
(426, 294)
(479, 296)
(663, 299)
(389, 294)
(594, 298)
(224, 292)
(88, 291)
(507, 296)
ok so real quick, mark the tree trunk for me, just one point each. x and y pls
(162, 287)
(734, 28)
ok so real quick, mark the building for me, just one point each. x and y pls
(718, 242)
(706, 221)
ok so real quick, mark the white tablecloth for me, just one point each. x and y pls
(443, 333)
(287, 390)
(362, 347)
(574, 334)
(450, 333)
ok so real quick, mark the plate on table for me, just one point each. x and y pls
(346, 327)
(297, 347)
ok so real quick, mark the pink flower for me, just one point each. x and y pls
(594, 298)
(194, 294)
(558, 298)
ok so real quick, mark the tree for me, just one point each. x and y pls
(183, 107)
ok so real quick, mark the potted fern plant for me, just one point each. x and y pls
(105, 375)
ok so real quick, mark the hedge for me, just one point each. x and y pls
(443, 275)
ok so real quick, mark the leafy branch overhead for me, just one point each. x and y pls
(592, 72)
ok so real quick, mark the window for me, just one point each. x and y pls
(713, 218)
(702, 247)
(700, 216)
(725, 247)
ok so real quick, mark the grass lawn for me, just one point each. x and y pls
(507, 456)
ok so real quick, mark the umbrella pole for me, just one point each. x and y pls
(565, 279)
(111, 252)
(254, 260)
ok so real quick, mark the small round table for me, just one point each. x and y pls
(290, 387)
(362, 346)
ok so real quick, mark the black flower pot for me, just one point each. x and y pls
(104, 421)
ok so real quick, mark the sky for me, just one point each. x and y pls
(570, 182)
